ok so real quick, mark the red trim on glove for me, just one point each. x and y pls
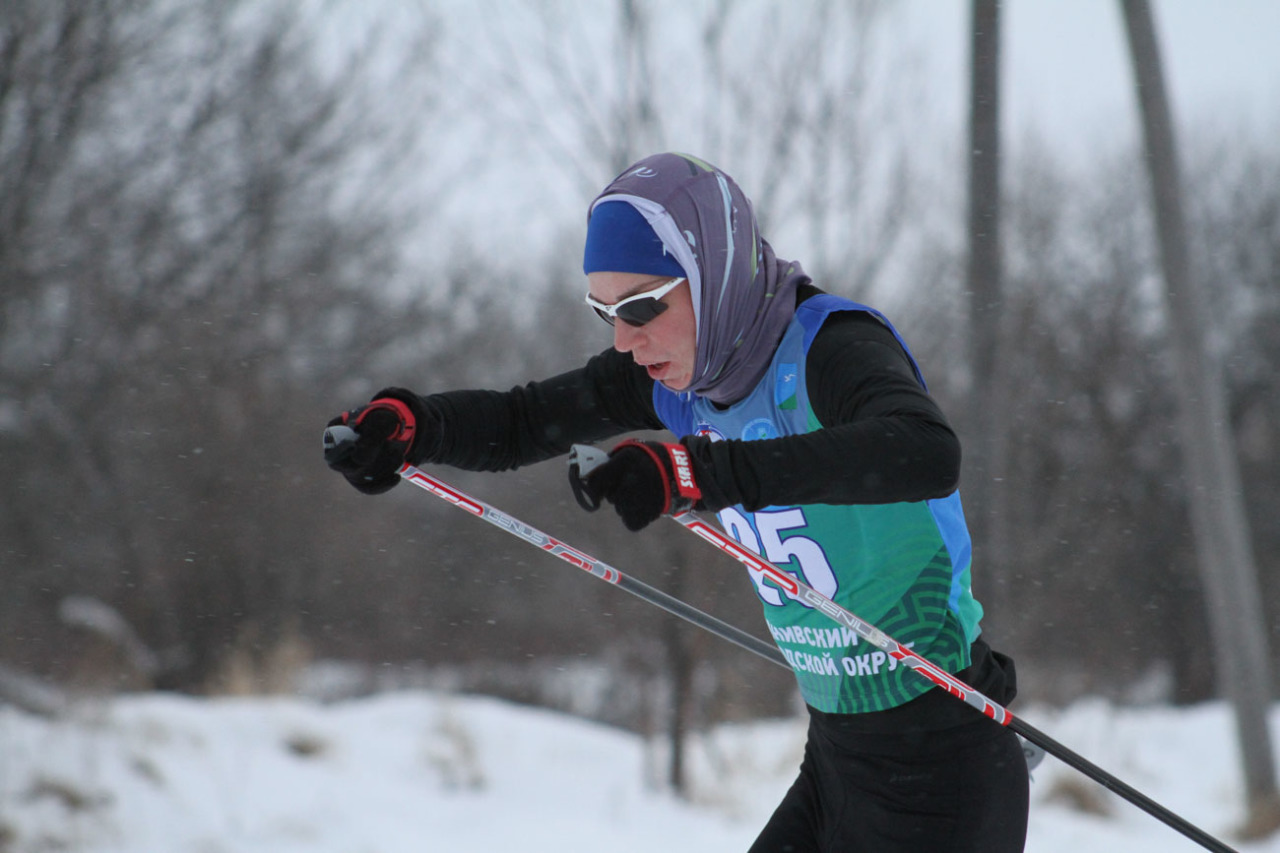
(657, 463)
(404, 432)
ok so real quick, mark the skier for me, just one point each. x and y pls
(803, 421)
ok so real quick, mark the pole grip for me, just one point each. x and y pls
(339, 439)
(583, 459)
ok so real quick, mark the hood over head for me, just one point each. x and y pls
(743, 296)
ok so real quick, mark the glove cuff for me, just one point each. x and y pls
(423, 421)
(715, 494)
(407, 422)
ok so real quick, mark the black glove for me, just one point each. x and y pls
(642, 479)
(388, 429)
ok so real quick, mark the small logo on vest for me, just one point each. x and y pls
(759, 428)
(704, 428)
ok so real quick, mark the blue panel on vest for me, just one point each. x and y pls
(784, 390)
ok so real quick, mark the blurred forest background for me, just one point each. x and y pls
(222, 223)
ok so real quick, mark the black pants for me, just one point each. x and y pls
(931, 776)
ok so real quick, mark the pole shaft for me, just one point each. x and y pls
(1111, 783)
(592, 566)
(798, 589)
(792, 585)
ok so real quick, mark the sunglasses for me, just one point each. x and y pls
(635, 310)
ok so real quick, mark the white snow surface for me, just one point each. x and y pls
(428, 771)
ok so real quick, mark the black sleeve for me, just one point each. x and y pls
(497, 431)
(883, 438)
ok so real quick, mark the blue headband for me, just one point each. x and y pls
(620, 240)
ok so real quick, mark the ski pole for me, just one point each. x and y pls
(806, 594)
(585, 458)
(798, 589)
(336, 437)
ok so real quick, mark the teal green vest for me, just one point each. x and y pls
(903, 566)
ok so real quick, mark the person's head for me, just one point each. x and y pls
(642, 291)
(672, 216)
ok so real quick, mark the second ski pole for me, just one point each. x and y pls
(335, 437)
(585, 457)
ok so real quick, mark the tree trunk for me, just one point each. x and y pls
(987, 415)
(681, 661)
(1218, 520)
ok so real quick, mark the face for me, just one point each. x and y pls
(666, 346)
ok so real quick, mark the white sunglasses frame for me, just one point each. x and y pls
(609, 313)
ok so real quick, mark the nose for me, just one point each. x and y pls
(626, 336)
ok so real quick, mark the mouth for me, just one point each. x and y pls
(657, 369)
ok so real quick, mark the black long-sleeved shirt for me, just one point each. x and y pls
(883, 438)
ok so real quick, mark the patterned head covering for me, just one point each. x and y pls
(743, 296)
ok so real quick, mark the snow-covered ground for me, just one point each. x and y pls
(422, 771)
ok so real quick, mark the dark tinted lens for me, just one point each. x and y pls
(641, 311)
(602, 315)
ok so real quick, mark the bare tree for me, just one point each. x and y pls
(789, 99)
(1223, 545)
(1096, 568)
(175, 262)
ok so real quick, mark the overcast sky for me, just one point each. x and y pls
(1066, 73)
(1065, 78)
